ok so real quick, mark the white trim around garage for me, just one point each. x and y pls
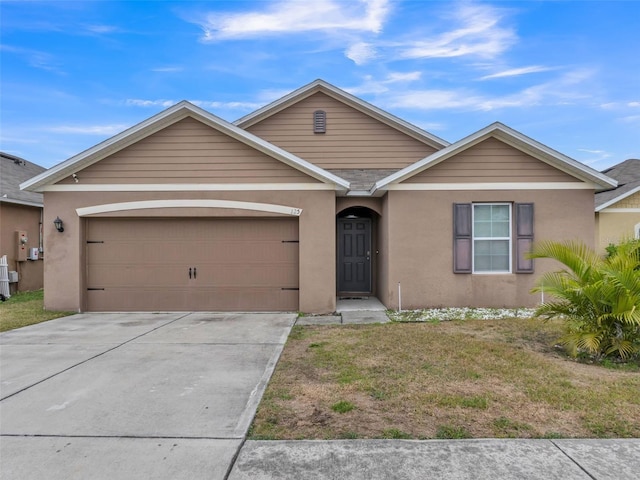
(494, 186)
(187, 187)
(147, 204)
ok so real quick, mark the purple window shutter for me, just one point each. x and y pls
(524, 237)
(462, 239)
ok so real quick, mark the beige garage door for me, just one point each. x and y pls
(190, 264)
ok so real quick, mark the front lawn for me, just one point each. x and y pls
(455, 379)
(25, 308)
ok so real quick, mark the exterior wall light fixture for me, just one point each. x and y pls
(58, 223)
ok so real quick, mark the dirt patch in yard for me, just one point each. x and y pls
(458, 379)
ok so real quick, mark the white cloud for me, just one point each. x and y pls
(361, 53)
(478, 33)
(633, 104)
(289, 16)
(435, 99)
(167, 69)
(562, 90)
(35, 58)
(100, 29)
(594, 156)
(89, 129)
(370, 85)
(137, 102)
(518, 71)
(227, 105)
(403, 77)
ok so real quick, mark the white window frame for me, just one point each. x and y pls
(636, 231)
(474, 238)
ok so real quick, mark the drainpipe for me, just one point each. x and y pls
(41, 243)
(399, 298)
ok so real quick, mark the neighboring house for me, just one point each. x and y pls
(618, 209)
(315, 196)
(20, 211)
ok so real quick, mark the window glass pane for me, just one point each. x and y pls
(482, 213)
(482, 247)
(500, 263)
(500, 213)
(483, 263)
(500, 229)
(482, 229)
(491, 255)
(500, 247)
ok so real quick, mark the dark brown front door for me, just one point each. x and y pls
(354, 255)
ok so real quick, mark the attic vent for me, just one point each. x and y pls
(319, 121)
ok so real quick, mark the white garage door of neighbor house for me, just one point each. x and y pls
(192, 264)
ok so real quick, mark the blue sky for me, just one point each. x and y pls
(565, 73)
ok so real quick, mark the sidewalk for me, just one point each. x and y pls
(487, 459)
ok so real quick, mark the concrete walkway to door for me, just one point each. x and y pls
(163, 396)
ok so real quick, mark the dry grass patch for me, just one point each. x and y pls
(458, 379)
(25, 308)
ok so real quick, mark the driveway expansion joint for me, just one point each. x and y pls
(571, 458)
(90, 358)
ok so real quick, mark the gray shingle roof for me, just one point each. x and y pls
(362, 179)
(13, 171)
(627, 174)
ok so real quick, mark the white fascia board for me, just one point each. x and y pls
(187, 187)
(349, 99)
(513, 138)
(477, 186)
(622, 196)
(157, 122)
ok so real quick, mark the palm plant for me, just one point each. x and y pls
(597, 297)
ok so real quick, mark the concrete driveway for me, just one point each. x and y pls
(133, 395)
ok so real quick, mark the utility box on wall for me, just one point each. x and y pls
(21, 244)
(33, 253)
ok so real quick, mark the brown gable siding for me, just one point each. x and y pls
(190, 152)
(352, 139)
(491, 161)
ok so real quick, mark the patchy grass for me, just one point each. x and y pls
(452, 379)
(25, 308)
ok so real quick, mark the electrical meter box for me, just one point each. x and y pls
(21, 241)
(33, 253)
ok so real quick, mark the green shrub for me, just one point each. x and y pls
(597, 297)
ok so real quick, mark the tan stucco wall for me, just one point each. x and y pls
(614, 227)
(64, 267)
(13, 218)
(420, 247)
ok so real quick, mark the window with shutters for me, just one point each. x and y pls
(319, 121)
(492, 237)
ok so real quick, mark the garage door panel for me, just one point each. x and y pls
(248, 264)
(139, 276)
